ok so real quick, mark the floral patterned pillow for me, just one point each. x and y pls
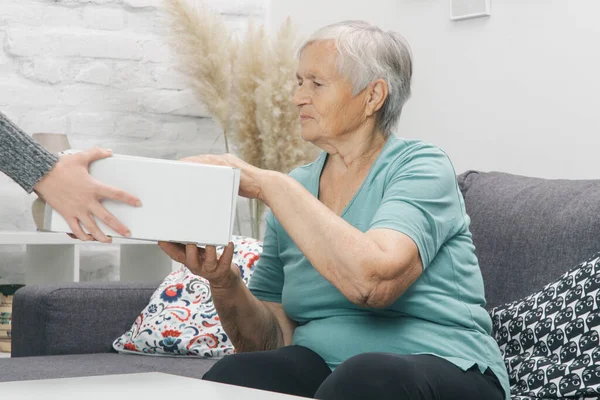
(181, 319)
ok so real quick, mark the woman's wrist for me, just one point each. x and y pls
(268, 181)
(227, 283)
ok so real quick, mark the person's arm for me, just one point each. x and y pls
(64, 182)
(371, 269)
(251, 324)
(21, 158)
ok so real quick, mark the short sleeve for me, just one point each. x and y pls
(267, 281)
(421, 200)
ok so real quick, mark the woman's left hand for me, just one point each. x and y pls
(250, 176)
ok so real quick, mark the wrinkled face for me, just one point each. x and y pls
(328, 110)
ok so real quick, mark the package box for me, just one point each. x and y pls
(182, 202)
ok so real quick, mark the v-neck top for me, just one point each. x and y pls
(411, 188)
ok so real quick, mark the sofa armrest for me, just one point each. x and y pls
(75, 318)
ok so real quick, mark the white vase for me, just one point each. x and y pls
(37, 211)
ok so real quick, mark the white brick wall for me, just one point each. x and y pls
(99, 71)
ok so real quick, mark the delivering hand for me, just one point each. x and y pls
(76, 195)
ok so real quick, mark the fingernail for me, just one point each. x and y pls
(138, 203)
(127, 234)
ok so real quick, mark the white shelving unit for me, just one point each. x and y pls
(54, 257)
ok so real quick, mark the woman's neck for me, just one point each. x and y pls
(356, 152)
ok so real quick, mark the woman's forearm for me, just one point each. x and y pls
(334, 247)
(250, 324)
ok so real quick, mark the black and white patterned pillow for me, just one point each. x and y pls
(550, 340)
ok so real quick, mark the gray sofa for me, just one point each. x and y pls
(527, 232)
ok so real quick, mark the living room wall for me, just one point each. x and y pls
(99, 71)
(515, 92)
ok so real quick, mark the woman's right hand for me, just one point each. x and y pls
(220, 272)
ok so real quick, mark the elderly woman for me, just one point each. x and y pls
(368, 285)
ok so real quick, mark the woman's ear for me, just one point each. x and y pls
(378, 92)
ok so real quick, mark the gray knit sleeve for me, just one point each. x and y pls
(21, 158)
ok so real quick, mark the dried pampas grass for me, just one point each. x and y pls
(248, 72)
(205, 49)
(246, 86)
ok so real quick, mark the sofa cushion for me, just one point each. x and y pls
(528, 230)
(181, 319)
(550, 339)
(74, 318)
(71, 366)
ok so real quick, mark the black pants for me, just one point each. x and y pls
(299, 371)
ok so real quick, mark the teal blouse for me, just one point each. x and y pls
(410, 188)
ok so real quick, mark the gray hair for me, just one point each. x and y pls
(367, 53)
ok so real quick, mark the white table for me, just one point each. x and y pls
(151, 386)
(54, 257)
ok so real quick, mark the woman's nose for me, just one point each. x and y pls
(299, 98)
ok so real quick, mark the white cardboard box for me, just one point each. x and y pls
(181, 202)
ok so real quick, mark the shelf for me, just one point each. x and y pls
(55, 257)
(33, 237)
